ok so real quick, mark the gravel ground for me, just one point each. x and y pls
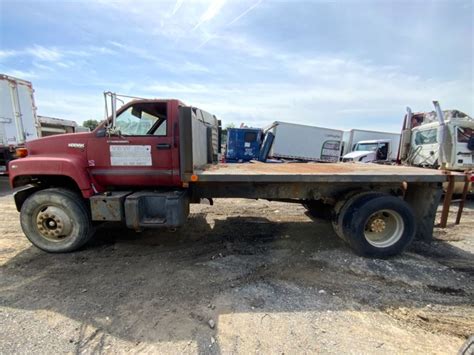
(241, 277)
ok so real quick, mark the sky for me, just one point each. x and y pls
(339, 64)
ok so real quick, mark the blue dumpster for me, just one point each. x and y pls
(243, 144)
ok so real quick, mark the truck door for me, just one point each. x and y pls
(141, 155)
(382, 151)
(425, 147)
(463, 156)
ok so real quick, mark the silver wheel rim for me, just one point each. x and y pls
(384, 228)
(53, 223)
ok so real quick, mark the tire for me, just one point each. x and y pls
(341, 207)
(56, 220)
(377, 225)
(318, 209)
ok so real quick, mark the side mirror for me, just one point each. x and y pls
(101, 132)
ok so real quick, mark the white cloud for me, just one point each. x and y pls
(70, 105)
(177, 6)
(245, 12)
(211, 12)
(240, 75)
(45, 54)
(55, 54)
(328, 91)
(178, 66)
(7, 53)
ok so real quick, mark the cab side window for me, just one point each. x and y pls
(464, 134)
(143, 119)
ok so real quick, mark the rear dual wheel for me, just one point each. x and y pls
(375, 224)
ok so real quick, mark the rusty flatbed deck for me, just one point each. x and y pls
(319, 172)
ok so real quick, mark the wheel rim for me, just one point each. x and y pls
(53, 223)
(384, 228)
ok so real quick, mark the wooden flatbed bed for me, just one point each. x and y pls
(319, 172)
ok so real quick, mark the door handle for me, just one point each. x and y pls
(163, 146)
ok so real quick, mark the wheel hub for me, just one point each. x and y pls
(53, 223)
(384, 228)
(377, 225)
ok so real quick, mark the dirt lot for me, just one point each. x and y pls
(269, 278)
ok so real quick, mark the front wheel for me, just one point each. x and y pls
(377, 225)
(56, 220)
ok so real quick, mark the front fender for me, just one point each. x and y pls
(71, 166)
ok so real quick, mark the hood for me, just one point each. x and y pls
(357, 154)
(57, 143)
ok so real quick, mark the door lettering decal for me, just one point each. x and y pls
(130, 155)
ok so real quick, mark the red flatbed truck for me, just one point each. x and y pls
(152, 158)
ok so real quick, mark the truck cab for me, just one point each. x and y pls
(424, 144)
(369, 151)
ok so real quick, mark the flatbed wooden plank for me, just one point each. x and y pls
(319, 172)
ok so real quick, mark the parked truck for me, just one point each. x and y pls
(379, 150)
(49, 126)
(151, 158)
(306, 143)
(19, 122)
(438, 139)
(370, 146)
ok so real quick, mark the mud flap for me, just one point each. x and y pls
(424, 200)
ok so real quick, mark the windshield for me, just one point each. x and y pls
(366, 147)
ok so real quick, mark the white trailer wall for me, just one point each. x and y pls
(295, 141)
(18, 121)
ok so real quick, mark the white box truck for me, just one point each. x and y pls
(307, 143)
(368, 146)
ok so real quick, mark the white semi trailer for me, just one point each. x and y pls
(307, 143)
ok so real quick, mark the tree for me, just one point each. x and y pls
(91, 124)
(224, 131)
